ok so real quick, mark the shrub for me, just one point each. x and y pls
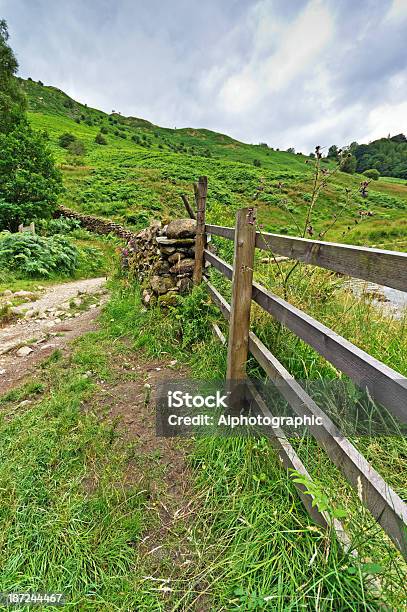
(76, 147)
(33, 255)
(66, 139)
(257, 163)
(104, 130)
(100, 139)
(61, 225)
(372, 174)
(29, 181)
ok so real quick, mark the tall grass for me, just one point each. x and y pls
(257, 548)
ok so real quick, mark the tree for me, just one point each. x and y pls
(348, 163)
(29, 181)
(291, 150)
(12, 100)
(372, 173)
(333, 152)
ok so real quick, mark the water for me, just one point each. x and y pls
(391, 301)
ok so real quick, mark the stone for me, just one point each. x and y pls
(161, 284)
(2, 371)
(167, 250)
(181, 228)
(176, 257)
(7, 292)
(30, 313)
(161, 267)
(24, 351)
(162, 241)
(185, 266)
(25, 294)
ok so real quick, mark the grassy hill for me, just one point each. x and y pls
(142, 170)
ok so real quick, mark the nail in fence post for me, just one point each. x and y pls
(201, 190)
(243, 261)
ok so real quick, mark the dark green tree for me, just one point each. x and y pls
(29, 181)
(348, 163)
(12, 100)
(333, 152)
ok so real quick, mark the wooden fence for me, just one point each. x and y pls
(384, 384)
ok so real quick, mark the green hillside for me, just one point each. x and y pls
(142, 169)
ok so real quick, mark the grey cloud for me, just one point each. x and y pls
(168, 61)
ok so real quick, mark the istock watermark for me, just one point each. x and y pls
(252, 408)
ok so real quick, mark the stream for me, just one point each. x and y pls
(391, 301)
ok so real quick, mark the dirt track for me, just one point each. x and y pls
(44, 335)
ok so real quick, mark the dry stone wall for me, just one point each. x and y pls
(160, 257)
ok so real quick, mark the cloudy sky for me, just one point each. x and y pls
(286, 72)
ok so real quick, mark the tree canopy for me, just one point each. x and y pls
(29, 181)
(387, 155)
(12, 100)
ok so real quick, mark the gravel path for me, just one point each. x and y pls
(44, 335)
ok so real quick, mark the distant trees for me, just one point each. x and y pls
(386, 155)
(29, 181)
(348, 163)
(333, 152)
(291, 150)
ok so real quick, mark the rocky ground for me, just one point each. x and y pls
(45, 321)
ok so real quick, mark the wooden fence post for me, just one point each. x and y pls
(201, 190)
(243, 261)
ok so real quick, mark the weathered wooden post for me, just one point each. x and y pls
(201, 189)
(243, 261)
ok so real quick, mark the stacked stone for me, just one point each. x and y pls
(96, 224)
(171, 274)
(161, 258)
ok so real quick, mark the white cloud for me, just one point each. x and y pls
(398, 10)
(386, 119)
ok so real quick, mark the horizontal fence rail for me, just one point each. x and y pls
(384, 384)
(380, 499)
(387, 268)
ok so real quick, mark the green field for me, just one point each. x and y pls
(142, 170)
